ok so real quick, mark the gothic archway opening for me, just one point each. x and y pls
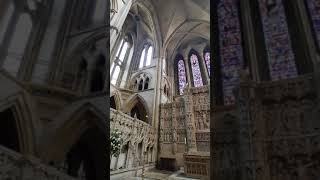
(8, 130)
(86, 159)
(139, 111)
(146, 85)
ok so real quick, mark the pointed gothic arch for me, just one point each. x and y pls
(24, 125)
(117, 99)
(84, 122)
(137, 104)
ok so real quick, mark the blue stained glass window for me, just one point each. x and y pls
(181, 76)
(207, 61)
(197, 79)
(277, 39)
(230, 47)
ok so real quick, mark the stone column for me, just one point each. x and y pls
(249, 39)
(174, 129)
(156, 104)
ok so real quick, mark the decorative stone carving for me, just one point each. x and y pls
(185, 126)
(271, 131)
(134, 131)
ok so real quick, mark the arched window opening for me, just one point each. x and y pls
(280, 54)
(149, 56)
(146, 56)
(182, 76)
(120, 61)
(206, 55)
(146, 85)
(140, 85)
(135, 85)
(165, 89)
(196, 72)
(139, 111)
(113, 103)
(231, 39)
(142, 58)
(9, 131)
(97, 82)
(140, 82)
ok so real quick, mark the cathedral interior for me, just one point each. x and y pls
(160, 89)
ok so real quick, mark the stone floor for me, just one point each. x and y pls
(162, 175)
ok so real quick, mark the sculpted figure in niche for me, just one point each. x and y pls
(206, 120)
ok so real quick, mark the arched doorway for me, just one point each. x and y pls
(87, 158)
(8, 130)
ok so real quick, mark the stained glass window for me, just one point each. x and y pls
(181, 76)
(207, 61)
(277, 39)
(197, 79)
(230, 47)
(314, 11)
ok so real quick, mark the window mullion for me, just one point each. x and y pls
(112, 71)
(120, 49)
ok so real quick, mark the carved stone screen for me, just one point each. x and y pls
(314, 12)
(197, 79)
(230, 46)
(181, 76)
(277, 40)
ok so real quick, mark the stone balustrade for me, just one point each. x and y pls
(138, 141)
(16, 166)
(132, 129)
